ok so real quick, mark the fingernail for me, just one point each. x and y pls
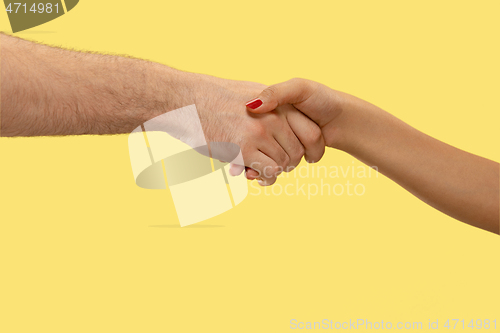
(254, 103)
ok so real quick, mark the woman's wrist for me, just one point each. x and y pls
(337, 130)
(353, 128)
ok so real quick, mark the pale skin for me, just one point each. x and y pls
(52, 91)
(460, 184)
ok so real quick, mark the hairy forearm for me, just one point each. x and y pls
(460, 184)
(51, 91)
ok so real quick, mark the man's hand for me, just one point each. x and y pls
(51, 91)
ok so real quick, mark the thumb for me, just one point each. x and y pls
(293, 91)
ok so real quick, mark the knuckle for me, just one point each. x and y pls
(300, 82)
(270, 92)
(312, 159)
(256, 129)
(277, 170)
(282, 159)
(270, 170)
(314, 135)
(297, 80)
(269, 182)
(295, 160)
(315, 157)
(255, 168)
(274, 117)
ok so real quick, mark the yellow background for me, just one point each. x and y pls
(83, 249)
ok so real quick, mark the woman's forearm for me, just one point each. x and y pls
(460, 184)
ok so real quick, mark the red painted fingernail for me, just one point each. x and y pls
(254, 103)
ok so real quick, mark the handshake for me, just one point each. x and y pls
(50, 91)
(276, 129)
(276, 126)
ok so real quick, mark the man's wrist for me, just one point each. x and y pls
(172, 89)
(168, 89)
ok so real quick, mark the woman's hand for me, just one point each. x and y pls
(460, 184)
(317, 101)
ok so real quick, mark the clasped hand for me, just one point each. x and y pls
(273, 126)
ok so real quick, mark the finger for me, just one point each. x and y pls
(309, 134)
(235, 169)
(251, 174)
(288, 140)
(293, 91)
(265, 167)
(274, 151)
